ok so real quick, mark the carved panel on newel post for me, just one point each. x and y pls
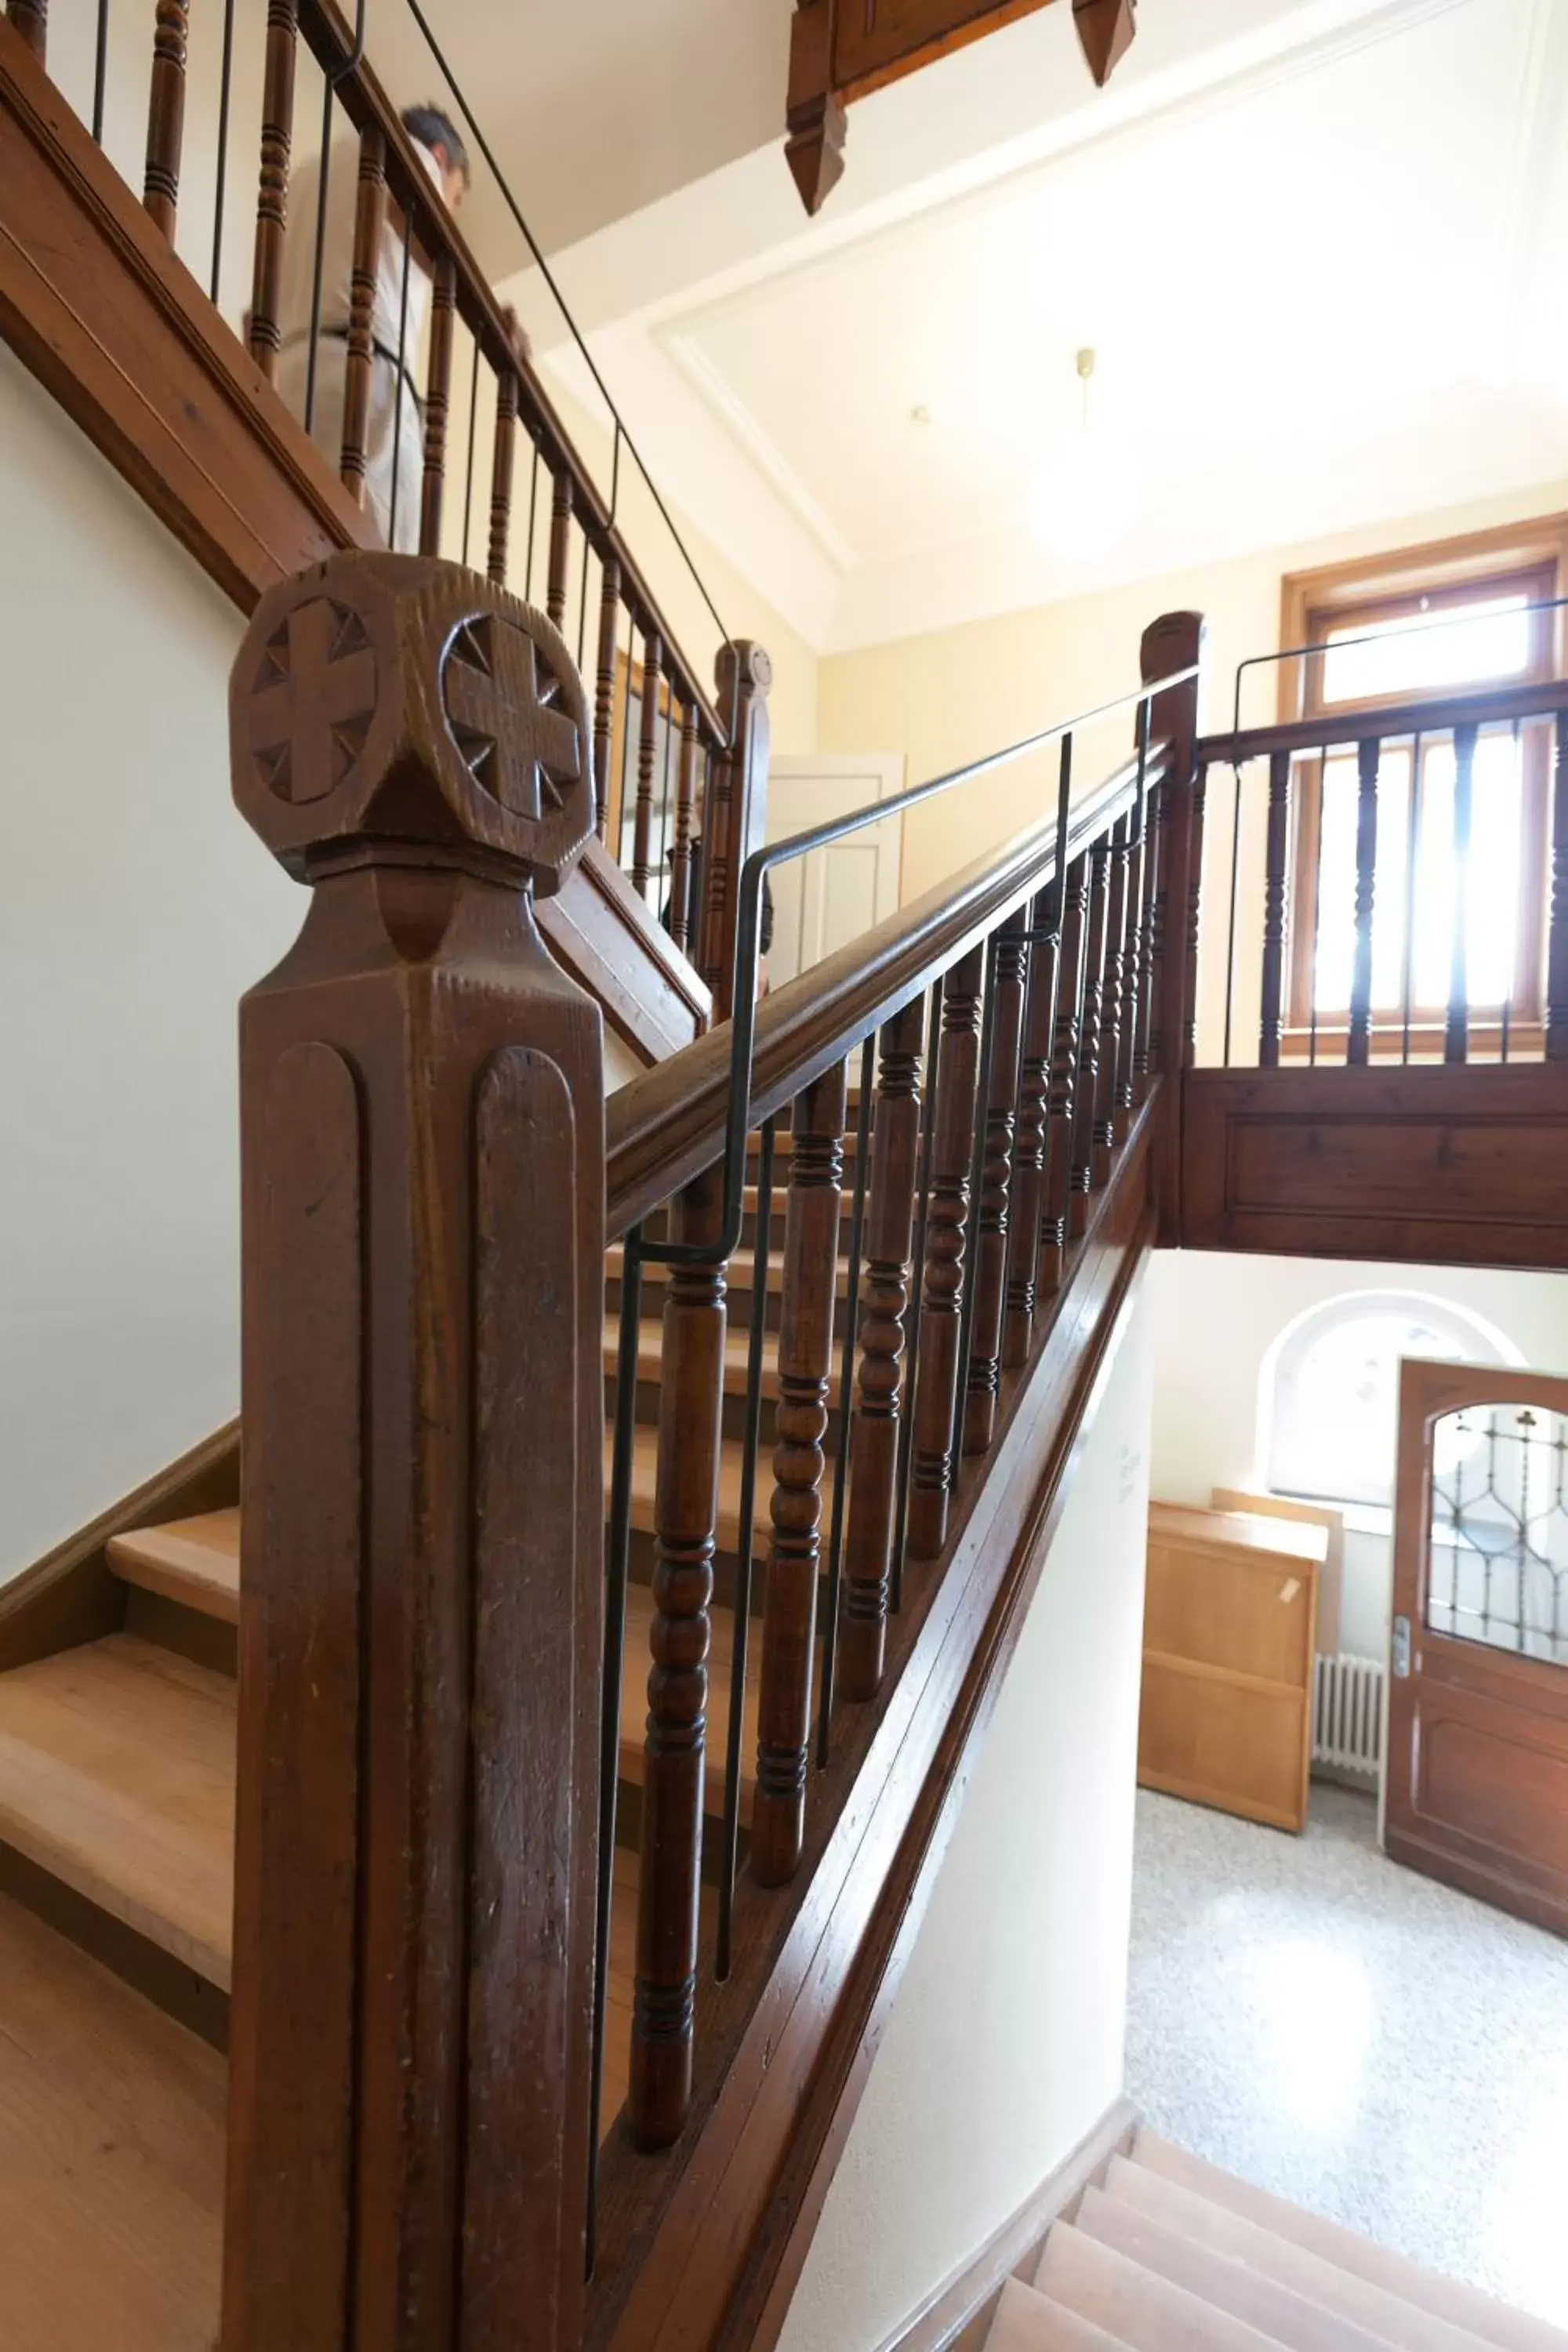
(422, 1116)
(843, 49)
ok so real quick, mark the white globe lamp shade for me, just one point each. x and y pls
(1085, 496)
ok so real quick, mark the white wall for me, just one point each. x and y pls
(1217, 1316)
(134, 907)
(1005, 2043)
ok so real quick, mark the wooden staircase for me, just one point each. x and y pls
(1168, 2253)
(117, 1826)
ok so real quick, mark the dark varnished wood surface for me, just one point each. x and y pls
(1439, 1165)
(787, 2042)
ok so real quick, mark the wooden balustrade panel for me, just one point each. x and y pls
(272, 195)
(1271, 1024)
(437, 398)
(1029, 1132)
(983, 1373)
(1557, 931)
(605, 691)
(804, 1372)
(942, 1293)
(1457, 1028)
(885, 1295)
(684, 826)
(31, 19)
(1114, 999)
(686, 1513)
(1087, 1084)
(648, 762)
(166, 113)
(501, 468)
(1063, 1101)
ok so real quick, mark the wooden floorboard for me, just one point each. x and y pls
(112, 2159)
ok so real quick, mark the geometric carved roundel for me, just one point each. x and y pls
(502, 704)
(313, 700)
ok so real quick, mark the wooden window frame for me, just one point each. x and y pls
(1531, 557)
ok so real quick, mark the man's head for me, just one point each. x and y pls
(430, 128)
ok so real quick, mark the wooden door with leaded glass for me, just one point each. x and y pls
(1477, 1745)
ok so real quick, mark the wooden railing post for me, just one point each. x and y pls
(879, 1407)
(735, 817)
(804, 1372)
(422, 1149)
(1173, 643)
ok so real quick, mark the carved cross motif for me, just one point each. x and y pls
(313, 700)
(501, 706)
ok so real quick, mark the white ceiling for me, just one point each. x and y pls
(1319, 248)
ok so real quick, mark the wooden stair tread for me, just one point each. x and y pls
(117, 1764)
(1144, 2311)
(1028, 2321)
(112, 2158)
(1277, 2311)
(195, 1560)
(1466, 2306)
(1357, 2300)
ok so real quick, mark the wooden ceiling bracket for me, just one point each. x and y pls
(1105, 28)
(840, 55)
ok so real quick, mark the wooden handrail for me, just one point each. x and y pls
(366, 103)
(666, 1126)
(1495, 706)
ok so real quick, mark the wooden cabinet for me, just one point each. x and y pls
(1229, 1638)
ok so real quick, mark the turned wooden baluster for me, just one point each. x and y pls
(1457, 1029)
(359, 364)
(501, 473)
(166, 113)
(1149, 1044)
(437, 395)
(560, 549)
(735, 810)
(685, 823)
(647, 761)
(805, 1371)
(1359, 1041)
(942, 1295)
(1064, 1078)
(885, 1295)
(1087, 1084)
(605, 689)
(1271, 1026)
(272, 198)
(31, 19)
(1134, 971)
(983, 1373)
(1113, 997)
(1030, 1133)
(421, 1624)
(686, 1513)
(1557, 936)
(1172, 644)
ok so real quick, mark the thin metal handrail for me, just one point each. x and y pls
(753, 873)
(1372, 637)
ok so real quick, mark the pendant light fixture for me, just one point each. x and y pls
(1084, 498)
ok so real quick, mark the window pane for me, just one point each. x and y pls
(1490, 884)
(1338, 1418)
(1462, 644)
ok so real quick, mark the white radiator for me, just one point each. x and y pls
(1347, 1719)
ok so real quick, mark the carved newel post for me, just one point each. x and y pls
(420, 1631)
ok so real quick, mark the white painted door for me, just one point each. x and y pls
(825, 900)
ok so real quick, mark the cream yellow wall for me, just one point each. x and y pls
(944, 700)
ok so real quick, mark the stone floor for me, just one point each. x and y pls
(1356, 2037)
